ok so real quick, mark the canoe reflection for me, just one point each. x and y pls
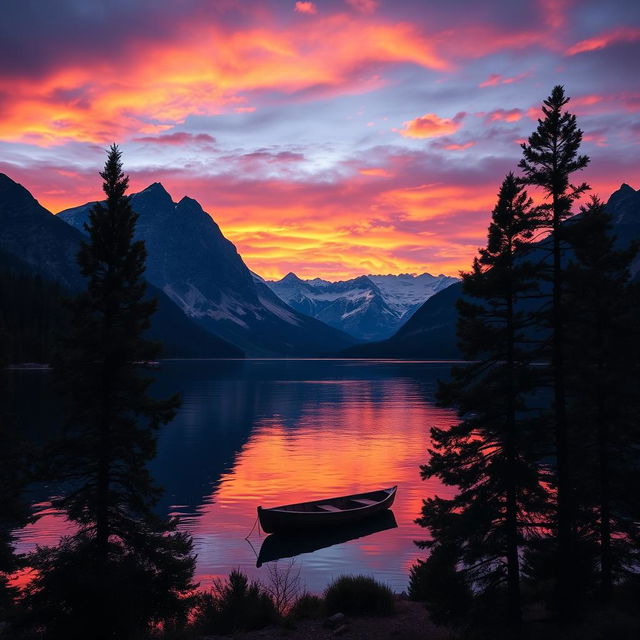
(289, 545)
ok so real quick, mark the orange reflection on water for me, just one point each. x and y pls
(268, 433)
(369, 436)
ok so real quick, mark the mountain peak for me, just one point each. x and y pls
(625, 188)
(363, 280)
(154, 199)
(155, 187)
(14, 196)
(190, 201)
(291, 278)
(7, 184)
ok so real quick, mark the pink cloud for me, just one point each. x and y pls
(614, 36)
(504, 115)
(364, 6)
(178, 138)
(459, 147)
(306, 7)
(431, 126)
(495, 79)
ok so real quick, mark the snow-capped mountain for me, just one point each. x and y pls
(189, 258)
(47, 247)
(368, 307)
(431, 330)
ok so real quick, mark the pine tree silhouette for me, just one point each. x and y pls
(549, 158)
(488, 455)
(134, 567)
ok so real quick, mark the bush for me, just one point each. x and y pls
(64, 600)
(359, 595)
(234, 605)
(437, 582)
(417, 582)
(283, 586)
(305, 607)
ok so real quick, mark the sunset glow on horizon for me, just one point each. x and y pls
(331, 138)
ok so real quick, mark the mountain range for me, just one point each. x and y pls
(191, 261)
(211, 305)
(431, 331)
(33, 238)
(370, 307)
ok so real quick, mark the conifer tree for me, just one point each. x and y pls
(134, 567)
(550, 157)
(14, 475)
(488, 455)
(603, 365)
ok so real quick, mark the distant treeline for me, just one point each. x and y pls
(32, 313)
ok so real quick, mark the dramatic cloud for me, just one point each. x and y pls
(294, 123)
(177, 139)
(306, 7)
(622, 34)
(506, 115)
(431, 126)
(496, 79)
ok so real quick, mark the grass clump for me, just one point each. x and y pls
(359, 595)
(234, 605)
(306, 607)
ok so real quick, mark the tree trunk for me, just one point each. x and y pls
(514, 614)
(103, 529)
(565, 516)
(606, 570)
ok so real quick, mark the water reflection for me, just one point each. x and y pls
(278, 432)
(280, 545)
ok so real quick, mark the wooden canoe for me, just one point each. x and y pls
(289, 544)
(328, 512)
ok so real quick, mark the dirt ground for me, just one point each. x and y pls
(410, 622)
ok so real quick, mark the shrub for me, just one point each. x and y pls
(438, 582)
(283, 586)
(234, 605)
(305, 607)
(359, 595)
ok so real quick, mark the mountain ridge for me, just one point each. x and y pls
(48, 246)
(369, 307)
(190, 259)
(431, 331)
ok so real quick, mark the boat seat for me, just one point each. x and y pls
(364, 501)
(328, 507)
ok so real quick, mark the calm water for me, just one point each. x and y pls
(271, 432)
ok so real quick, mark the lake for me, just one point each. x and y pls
(270, 432)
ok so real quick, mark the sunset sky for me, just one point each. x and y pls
(331, 138)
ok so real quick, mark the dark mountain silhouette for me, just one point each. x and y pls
(367, 307)
(201, 271)
(47, 246)
(431, 331)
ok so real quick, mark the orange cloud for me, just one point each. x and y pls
(430, 126)
(459, 147)
(374, 171)
(306, 7)
(511, 115)
(495, 79)
(622, 34)
(205, 72)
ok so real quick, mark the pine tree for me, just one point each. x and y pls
(110, 435)
(488, 454)
(14, 476)
(549, 158)
(603, 365)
